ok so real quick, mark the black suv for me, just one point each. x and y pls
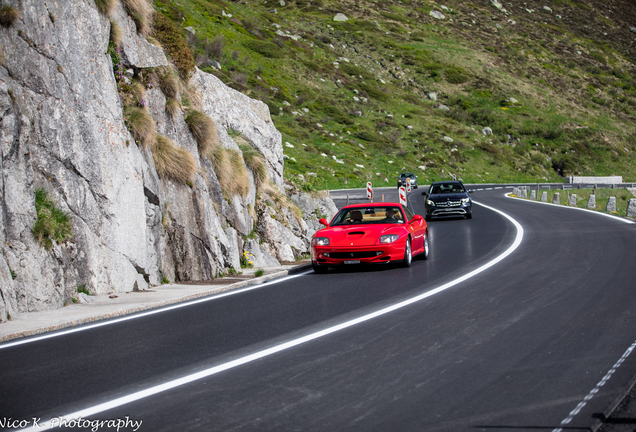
(404, 177)
(448, 198)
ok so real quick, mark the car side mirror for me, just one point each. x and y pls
(470, 191)
(416, 218)
(324, 222)
(423, 193)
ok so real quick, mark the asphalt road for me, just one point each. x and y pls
(538, 341)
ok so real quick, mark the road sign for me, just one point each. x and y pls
(369, 190)
(408, 186)
(454, 177)
(402, 195)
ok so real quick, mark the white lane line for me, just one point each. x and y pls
(596, 389)
(148, 313)
(124, 400)
(618, 218)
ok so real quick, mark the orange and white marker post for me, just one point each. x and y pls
(408, 186)
(402, 195)
(369, 191)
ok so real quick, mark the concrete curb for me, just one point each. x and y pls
(35, 329)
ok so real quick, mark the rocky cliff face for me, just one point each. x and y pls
(62, 129)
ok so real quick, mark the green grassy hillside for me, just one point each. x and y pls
(394, 88)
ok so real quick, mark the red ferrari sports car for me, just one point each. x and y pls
(372, 233)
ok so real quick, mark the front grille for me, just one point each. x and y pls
(352, 255)
(448, 204)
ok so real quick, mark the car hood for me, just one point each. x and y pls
(359, 235)
(448, 197)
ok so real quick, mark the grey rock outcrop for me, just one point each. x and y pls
(233, 110)
(62, 130)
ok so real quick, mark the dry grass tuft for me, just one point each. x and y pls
(173, 108)
(254, 161)
(203, 129)
(169, 82)
(141, 11)
(194, 96)
(105, 6)
(230, 171)
(141, 125)
(154, 41)
(138, 90)
(171, 161)
(8, 15)
(116, 33)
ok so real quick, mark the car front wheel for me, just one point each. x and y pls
(319, 269)
(408, 254)
(426, 248)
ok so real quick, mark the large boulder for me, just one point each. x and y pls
(233, 110)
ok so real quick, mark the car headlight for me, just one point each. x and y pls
(465, 200)
(390, 238)
(321, 241)
(430, 203)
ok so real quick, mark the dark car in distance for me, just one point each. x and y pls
(405, 178)
(448, 198)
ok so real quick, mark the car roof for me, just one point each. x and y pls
(375, 204)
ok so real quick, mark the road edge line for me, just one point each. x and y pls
(151, 391)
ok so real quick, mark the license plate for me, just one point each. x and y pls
(448, 209)
(352, 262)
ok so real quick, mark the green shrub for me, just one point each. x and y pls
(374, 92)
(203, 129)
(52, 223)
(8, 15)
(140, 124)
(456, 75)
(175, 44)
(172, 162)
(267, 49)
(82, 289)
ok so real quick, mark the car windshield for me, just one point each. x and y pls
(409, 175)
(447, 188)
(369, 215)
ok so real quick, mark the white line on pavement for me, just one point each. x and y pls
(151, 312)
(124, 400)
